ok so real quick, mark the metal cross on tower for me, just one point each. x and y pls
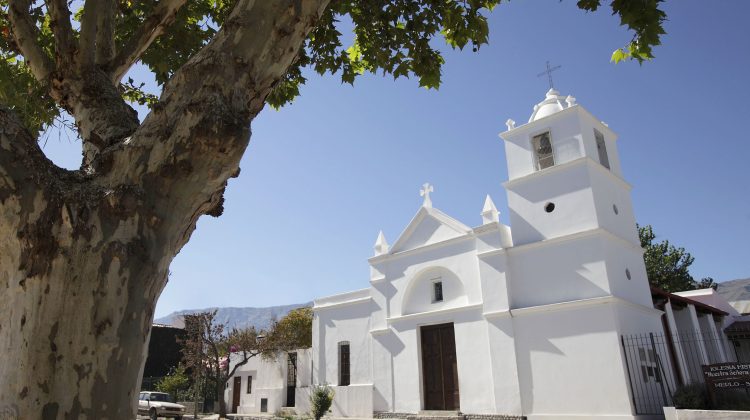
(548, 72)
(425, 192)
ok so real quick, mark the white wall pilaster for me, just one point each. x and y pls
(698, 334)
(681, 361)
(718, 339)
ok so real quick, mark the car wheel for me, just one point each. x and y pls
(178, 418)
(152, 414)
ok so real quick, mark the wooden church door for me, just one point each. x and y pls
(439, 367)
(236, 389)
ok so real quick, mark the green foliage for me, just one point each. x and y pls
(667, 266)
(643, 17)
(294, 331)
(321, 399)
(176, 384)
(691, 397)
(20, 92)
(731, 399)
(392, 37)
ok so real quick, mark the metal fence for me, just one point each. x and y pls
(658, 364)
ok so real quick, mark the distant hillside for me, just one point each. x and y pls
(737, 293)
(735, 290)
(260, 318)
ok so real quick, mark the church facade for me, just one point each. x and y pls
(492, 320)
(520, 320)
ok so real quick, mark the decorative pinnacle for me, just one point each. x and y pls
(381, 245)
(510, 124)
(489, 211)
(425, 192)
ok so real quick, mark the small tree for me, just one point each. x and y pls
(193, 354)
(667, 266)
(321, 399)
(175, 384)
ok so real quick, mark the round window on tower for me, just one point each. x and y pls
(549, 207)
(627, 273)
(615, 209)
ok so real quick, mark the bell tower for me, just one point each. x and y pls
(577, 281)
(565, 184)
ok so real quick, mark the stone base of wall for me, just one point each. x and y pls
(492, 417)
(670, 413)
(390, 415)
(459, 416)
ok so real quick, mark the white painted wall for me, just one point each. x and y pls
(558, 271)
(566, 186)
(345, 320)
(269, 381)
(569, 362)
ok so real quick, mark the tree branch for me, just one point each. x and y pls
(192, 141)
(154, 25)
(87, 42)
(24, 169)
(105, 34)
(65, 45)
(26, 34)
(245, 359)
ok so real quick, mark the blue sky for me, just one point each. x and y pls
(322, 176)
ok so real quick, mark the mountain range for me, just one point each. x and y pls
(239, 318)
(736, 292)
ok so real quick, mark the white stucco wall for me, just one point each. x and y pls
(569, 362)
(269, 381)
(566, 186)
(346, 319)
(567, 269)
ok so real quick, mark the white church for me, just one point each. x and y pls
(490, 321)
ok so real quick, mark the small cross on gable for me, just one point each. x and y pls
(425, 192)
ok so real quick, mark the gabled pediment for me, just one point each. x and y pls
(429, 226)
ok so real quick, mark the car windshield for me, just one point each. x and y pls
(160, 397)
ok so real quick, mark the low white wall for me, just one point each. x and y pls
(352, 401)
(670, 413)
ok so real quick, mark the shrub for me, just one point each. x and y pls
(176, 384)
(321, 399)
(692, 397)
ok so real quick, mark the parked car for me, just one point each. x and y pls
(159, 404)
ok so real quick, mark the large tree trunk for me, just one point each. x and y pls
(81, 271)
(84, 255)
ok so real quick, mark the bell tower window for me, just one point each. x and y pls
(601, 147)
(543, 157)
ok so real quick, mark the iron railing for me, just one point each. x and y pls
(658, 364)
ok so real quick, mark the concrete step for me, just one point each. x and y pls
(437, 415)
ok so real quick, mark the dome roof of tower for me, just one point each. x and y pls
(551, 104)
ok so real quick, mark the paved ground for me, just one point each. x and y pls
(188, 416)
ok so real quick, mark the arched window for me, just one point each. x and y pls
(542, 145)
(344, 364)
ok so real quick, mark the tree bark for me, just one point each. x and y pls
(85, 255)
(79, 283)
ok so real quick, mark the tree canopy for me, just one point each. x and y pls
(392, 37)
(668, 266)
